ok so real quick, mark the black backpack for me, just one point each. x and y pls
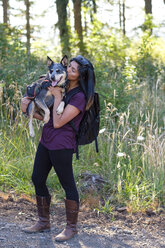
(89, 125)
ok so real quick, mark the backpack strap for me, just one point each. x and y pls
(76, 131)
(66, 99)
(70, 94)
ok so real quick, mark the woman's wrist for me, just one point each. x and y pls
(58, 98)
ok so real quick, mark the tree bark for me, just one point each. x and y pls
(62, 25)
(148, 19)
(120, 14)
(5, 4)
(148, 6)
(28, 33)
(95, 7)
(78, 23)
(124, 31)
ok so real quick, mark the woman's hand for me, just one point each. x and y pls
(55, 91)
(24, 103)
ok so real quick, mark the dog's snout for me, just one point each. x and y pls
(52, 77)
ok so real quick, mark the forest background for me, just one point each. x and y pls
(129, 60)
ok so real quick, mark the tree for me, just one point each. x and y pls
(28, 31)
(5, 4)
(148, 24)
(122, 15)
(94, 6)
(148, 7)
(62, 25)
(4, 28)
(123, 5)
(78, 23)
(89, 9)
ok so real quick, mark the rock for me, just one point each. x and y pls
(121, 209)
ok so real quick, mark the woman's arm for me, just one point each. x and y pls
(38, 116)
(24, 104)
(69, 112)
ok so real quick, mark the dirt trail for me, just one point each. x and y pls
(128, 231)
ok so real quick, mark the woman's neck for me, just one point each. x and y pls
(72, 85)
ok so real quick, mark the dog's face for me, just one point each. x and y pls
(58, 71)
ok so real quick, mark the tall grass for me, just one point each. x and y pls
(131, 154)
(132, 136)
(131, 161)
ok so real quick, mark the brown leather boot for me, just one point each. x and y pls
(70, 230)
(43, 205)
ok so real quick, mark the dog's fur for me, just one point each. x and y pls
(44, 100)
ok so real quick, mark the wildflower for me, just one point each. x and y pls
(140, 138)
(121, 154)
(102, 130)
(96, 164)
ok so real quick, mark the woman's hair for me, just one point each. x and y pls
(86, 78)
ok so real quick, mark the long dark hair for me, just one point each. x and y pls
(86, 78)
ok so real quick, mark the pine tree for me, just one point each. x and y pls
(5, 4)
(62, 25)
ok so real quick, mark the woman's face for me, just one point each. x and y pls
(73, 73)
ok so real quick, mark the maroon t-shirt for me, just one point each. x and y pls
(63, 137)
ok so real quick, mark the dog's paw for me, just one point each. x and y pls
(60, 108)
(46, 118)
(31, 132)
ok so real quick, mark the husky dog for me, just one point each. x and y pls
(42, 99)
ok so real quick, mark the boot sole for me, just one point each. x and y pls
(39, 231)
(63, 240)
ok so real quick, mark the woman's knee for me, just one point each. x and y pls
(69, 187)
(34, 178)
(37, 181)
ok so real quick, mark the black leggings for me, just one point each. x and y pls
(61, 160)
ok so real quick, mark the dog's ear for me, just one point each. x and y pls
(49, 61)
(64, 61)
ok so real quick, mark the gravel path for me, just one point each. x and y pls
(128, 231)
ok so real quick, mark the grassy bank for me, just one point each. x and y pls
(130, 159)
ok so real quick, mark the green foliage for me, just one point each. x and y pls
(105, 208)
(148, 24)
(130, 81)
(13, 65)
(145, 65)
(10, 44)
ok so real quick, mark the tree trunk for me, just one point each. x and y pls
(148, 17)
(78, 23)
(5, 4)
(120, 14)
(28, 33)
(124, 31)
(95, 7)
(62, 25)
(148, 6)
(85, 22)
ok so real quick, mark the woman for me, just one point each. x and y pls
(57, 145)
